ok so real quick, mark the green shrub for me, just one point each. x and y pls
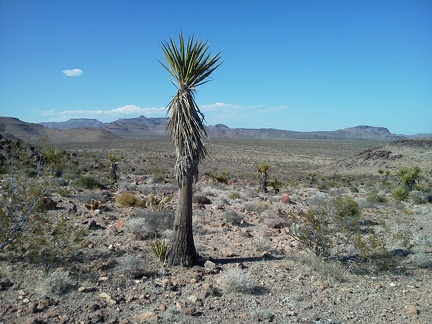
(20, 198)
(88, 182)
(374, 197)
(221, 178)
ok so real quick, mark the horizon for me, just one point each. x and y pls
(286, 65)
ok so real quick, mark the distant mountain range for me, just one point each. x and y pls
(92, 130)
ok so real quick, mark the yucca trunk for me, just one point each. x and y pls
(182, 250)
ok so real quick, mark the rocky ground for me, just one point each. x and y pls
(250, 270)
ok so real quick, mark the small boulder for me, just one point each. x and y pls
(275, 222)
(202, 200)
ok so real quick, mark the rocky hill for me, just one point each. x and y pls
(33, 133)
(157, 126)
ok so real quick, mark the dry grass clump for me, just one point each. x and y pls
(150, 224)
(235, 280)
(234, 195)
(126, 199)
(423, 260)
(326, 268)
(129, 263)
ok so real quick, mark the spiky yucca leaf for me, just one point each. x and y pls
(190, 64)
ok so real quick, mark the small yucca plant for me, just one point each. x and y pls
(399, 194)
(159, 248)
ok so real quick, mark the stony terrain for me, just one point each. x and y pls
(251, 269)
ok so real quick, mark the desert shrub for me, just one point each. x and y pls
(261, 244)
(233, 217)
(324, 186)
(429, 198)
(158, 177)
(418, 197)
(261, 315)
(220, 177)
(139, 226)
(338, 229)
(126, 199)
(235, 280)
(399, 194)
(159, 248)
(64, 192)
(234, 195)
(57, 284)
(150, 224)
(51, 245)
(129, 263)
(261, 206)
(353, 189)
(88, 182)
(374, 197)
(19, 199)
(249, 207)
(422, 260)
(328, 269)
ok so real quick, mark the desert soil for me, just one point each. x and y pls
(250, 272)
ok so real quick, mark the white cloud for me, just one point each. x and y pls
(73, 73)
(220, 106)
(103, 115)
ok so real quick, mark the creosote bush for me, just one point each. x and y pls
(50, 245)
(19, 199)
(337, 229)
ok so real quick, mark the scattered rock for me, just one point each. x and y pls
(46, 204)
(110, 301)
(146, 317)
(275, 222)
(5, 284)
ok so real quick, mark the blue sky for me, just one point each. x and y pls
(296, 65)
